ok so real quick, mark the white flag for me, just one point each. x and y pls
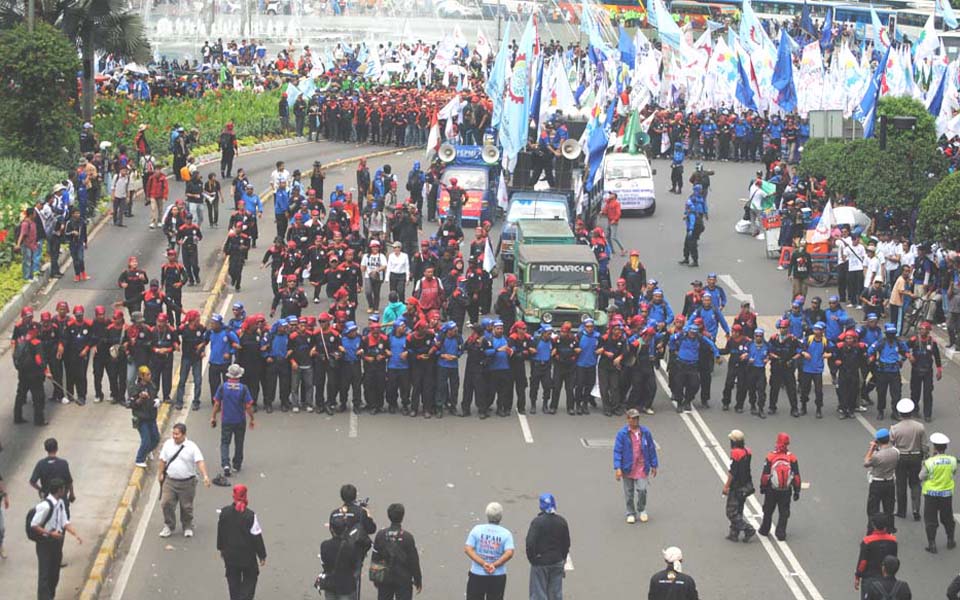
(483, 45)
(826, 224)
(502, 197)
(488, 260)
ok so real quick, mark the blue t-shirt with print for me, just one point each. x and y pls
(490, 542)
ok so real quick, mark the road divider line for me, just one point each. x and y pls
(354, 425)
(525, 428)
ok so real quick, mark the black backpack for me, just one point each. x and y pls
(31, 534)
(21, 355)
(884, 594)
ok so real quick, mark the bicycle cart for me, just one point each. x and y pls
(823, 268)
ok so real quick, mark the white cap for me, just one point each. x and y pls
(673, 554)
(905, 406)
(939, 439)
(736, 435)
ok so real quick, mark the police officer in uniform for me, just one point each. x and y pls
(909, 437)
(671, 583)
(937, 476)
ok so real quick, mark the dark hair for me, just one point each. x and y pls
(348, 493)
(940, 448)
(394, 297)
(395, 512)
(181, 427)
(881, 521)
(51, 445)
(891, 564)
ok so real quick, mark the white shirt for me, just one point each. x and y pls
(277, 176)
(891, 254)
(856, 256)
(843, 249)
(874, 270)
(372, 262)
(121, 186)
(185, 466)
(398, 263)
(909, 257)
(58, 520)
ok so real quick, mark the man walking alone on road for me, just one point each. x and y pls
(738, 488)
(240, 542)
(50, 521)
(233, 399)
(634, 459)
(180, 460)
(780, 477)
(548, 543)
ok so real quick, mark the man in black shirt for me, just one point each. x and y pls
(396, 550)
(738, 488)
(548, 542)
(874, 548)
(888, 587)
(240, 542)
(354, 515)
(50, 468)
(670, 583)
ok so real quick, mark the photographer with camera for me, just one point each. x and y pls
(395, 563)
(357, 526)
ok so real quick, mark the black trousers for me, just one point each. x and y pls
(117, 376)
(191, 262)
(56, 374)
(643, 386)
(161, 369)
(32, 384)
(610, 389)
(253, 378)
(779, 501)
(282, 222)
(935, 507)
(76, 368)
(242, 581)
(585, 378)
(733, 377)
(235, 270)
(785, 377)
(705, 368)
(226, 164)
(422, 385)
(921, 387)
(101, 362)
(216, 374)
(518, 375)
(486, 587)
(687, 378)
(563, 376)
(448, 388)
(350, 378)
(49, 557)
(499, 384)
(881, 497)
(887, 381)
(392, 592)
(848, 389)
(374, 384)
(816, 381)
(398, 382)
(276, 373)
(908, 475)
(540, 378)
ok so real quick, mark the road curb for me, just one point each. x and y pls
(103, 561)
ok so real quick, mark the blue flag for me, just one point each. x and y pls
(628, 52)
(667, 28)
(497, 80)
(783, 76)
(865, 112)
(514, 122)
(744, 89)
(937, 101)
(596, 147)
(806, 23)
(949, 17)
(537, 92)
(826, 36)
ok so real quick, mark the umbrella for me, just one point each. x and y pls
(849, 215)
(135, 68)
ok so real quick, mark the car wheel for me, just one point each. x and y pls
(652, 209)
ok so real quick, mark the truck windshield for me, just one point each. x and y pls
(534, 209)
(627, 171)
(561, 273)
(468, 179)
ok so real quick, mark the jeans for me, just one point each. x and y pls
(301, 386)
(76, 252)
(237, 432)
(613, 235)
(188, 366)
(546, 582)
(635, 494)
(149, 438)
(196, 209)
(27, 256)
(119, 206)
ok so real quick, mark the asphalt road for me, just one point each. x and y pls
(97, 439)
(446, 471)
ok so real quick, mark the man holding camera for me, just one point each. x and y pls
(354, 516)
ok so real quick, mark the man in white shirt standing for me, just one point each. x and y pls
(856, 260)
(50, 521)
(889, 250)
(843, 252)
(180, 460)
(873, 267)
(279, 174)
(373, 265)
(398, 270)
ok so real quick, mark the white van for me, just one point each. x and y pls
(630, 177)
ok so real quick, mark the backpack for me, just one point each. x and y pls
(781, 473)
(413, 181)
(31, 534)
(21, 355)
(884, 594)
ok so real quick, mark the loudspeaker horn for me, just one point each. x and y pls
(447, 153)
(570, 149)
(491, 154)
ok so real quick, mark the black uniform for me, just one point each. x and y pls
(671, 585)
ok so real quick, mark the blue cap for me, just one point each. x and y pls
(548, 503)
(238, 306)
(689, 328)
(339, 187)
(349, 326)
(657, 291)
(833, 299)
(498, 323)
(758, 331)
(711, 275)
(797, 303)
(820, 325)
(882, 433)
(545, 328)
(889, 328)
(374, 318)
(485, 322)
(588, 321)
(871, 317)
(448, 326)
(399, 321)
(708, 295)
(217, 318)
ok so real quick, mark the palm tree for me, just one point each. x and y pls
(105, 26)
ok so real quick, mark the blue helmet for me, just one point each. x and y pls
(416, 165)
(697, 189)
(339, 187)
(890, 328)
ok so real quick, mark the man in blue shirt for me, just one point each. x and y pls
(757, 356)
(489, 547)
(634, 460)
(887, 356)
(586, 365)
(815, 349)
(398, 369)
(281, 208)
(686, 345)
(223, 345)
(449, 348)
(234, 401)
(499, 384)
(540, 375)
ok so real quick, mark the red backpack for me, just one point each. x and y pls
(781, 472)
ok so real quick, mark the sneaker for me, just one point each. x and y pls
(187, 533)
(296, 409)
(165, 532)
(142, 465)
(644, 517)
(648, 411)
(226, 471)
(64, 401)
(631, 519)
(309, 408)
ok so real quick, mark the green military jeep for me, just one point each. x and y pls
(557, 283)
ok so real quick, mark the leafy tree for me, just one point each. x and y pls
(37, 86)
(939, 217)
(898, 177)
(106, 26)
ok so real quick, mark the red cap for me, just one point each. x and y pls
(118, 314)
(26, 312)
(99, 311)
(78, 309)
(162, 318)
(325, 316)
(45, 315)
(63, 304)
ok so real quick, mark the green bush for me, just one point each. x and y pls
(252, 114)
(22, 183)
(939, 218)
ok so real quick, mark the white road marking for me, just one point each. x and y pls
(718, 459)
(568, 564)
(736, 292)
(154, 496)
(525, 428)
(354, 425)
